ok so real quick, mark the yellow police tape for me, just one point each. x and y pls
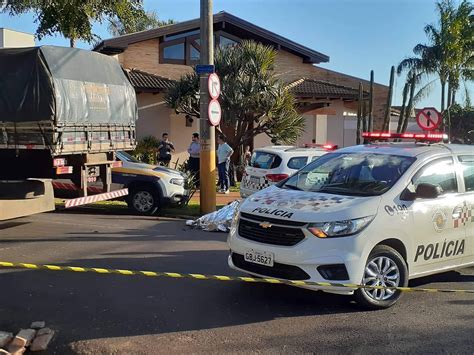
(7, 264)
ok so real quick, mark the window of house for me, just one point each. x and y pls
(224, 41)
(175, 51)
(181, 35)
(195, 54)
(467, 163)
(184, 48)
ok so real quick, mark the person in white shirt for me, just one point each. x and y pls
(194, 151)
(224, 152)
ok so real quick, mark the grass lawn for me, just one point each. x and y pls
(235, 188)
(120, 207)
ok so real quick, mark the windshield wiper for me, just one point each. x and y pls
(292, 187)
(343, 191)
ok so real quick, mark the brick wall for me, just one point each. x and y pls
(145, 56)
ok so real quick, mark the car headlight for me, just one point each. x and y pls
(179, 182)
(339, 228)
(235, 220)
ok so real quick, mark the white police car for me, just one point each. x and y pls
(272, 164)
(377, 214)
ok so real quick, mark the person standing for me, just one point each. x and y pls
(247, 155)
(164, 150)
(224, 152)
(194, 151)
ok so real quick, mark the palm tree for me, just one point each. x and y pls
(253, 99)
(449, 52)
(142, 21)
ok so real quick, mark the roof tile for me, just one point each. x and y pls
(146, 81)
(322, 89)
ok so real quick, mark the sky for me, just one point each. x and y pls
(357, 35)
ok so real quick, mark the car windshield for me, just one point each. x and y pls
(357, 174)
(127, 157)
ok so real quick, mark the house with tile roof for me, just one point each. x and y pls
(156, 57)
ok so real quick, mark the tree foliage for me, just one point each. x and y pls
(449, 52)
(462, 123)
(141, 21)
(74, 18)
(253, 99)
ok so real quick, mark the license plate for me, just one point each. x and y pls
(254, 179)
(259, 257)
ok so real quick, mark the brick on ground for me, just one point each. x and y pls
(19, 351)
(41, 342)
(22, 339)
(38, 325)
(5, 338)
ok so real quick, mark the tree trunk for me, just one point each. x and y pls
(72, 42)
(443, 90)
(450, 91)
(386, 122)
(402, 111)
(409, 108)
(359, 113)
(453, 98)
(371, 102)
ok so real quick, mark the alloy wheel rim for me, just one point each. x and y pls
(143, 201)
(381, 271)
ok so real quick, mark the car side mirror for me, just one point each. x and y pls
(429, 191)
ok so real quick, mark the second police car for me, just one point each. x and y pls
(376, 214)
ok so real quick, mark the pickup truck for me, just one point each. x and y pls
(150, 187)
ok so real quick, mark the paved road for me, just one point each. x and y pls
(120, 314)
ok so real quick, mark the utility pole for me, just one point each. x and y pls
(207, 131)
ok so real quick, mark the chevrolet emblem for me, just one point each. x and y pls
(265, 225)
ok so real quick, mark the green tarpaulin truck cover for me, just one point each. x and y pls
(69, 86)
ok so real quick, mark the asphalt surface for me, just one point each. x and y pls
(113, 314)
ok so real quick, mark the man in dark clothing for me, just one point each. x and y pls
(164, 150)
(194, 151)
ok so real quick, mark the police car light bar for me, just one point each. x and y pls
(432, 137)
(324, 146)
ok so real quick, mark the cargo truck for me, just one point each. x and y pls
(64, 112)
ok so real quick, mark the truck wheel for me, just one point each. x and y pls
(385, 267)
(143, 200)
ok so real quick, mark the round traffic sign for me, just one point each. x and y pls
(214, 86)
(214, 112)
(429, 119)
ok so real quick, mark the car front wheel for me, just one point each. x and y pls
(143, 200)
(385, 267)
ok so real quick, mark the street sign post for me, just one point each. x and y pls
(214, 86)
(207, 165)
(204, 69)
(214, 112)
(429, 119)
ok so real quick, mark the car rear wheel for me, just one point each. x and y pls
(143, 201)
(385, 267)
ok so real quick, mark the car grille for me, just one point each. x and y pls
(271, 220)
(276, 235)
(280, 271)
